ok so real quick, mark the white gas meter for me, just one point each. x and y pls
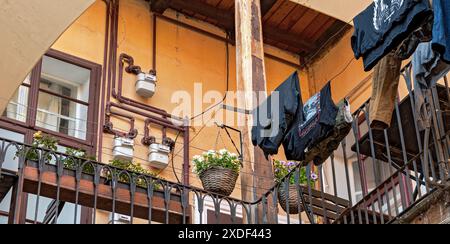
(120, 219)
(159, 155)
(146, 84)
(123, 148)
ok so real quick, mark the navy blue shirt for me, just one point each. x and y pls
(376, 21)
(314, 122)
(384, 25)
(289, 95)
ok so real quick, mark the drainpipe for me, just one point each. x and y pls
(104, 74)
(186, 143)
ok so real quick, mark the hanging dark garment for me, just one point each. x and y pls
(274, 118)
(384, 25)
(313, 123)
(321, 151)
(441, 28)
(428, 69)
(423, 34)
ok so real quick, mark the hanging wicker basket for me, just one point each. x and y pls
(219, 180)
(294, 199)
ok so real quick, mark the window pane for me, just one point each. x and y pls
(61, 115)
(6, 202)
(65, 79)
(3, 220)
(66, 216)
(18, 105)
(369, 180)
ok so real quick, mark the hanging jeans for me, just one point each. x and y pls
(385, 83)
(441, 28)
(428, 69)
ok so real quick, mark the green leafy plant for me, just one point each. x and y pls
(72, 161)
(222, 158)
(40, 141)
(136, 170)
(283, 168)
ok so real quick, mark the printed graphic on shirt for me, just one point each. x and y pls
(311, 111)
(383, 12)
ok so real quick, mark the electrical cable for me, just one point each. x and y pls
(144, 146)
(311, 57)
(227, 85)
(343, 70)
(224, 98)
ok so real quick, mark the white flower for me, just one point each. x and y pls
(223, 152)
(197, 158)
(211, 152)
(234, 155)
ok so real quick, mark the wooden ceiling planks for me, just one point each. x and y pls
(300, 22)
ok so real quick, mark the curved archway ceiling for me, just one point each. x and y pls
(29, 28)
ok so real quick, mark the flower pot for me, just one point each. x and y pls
(294, 199)
(219, 180)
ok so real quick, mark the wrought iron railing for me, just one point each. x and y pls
(408, 165)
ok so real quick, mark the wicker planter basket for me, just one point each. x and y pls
(293, 199)
(219, 180)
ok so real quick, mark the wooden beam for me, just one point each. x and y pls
(204, 9)
(226, 20)
(287, 38)
(266, 6)
(159, 6)
(251, 77)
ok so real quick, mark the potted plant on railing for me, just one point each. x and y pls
(282, 169)
(135, 169)
(40, 141)
(72, 163)
(218, 171)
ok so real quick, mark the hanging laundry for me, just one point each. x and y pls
(314, 122)
(321, 151)
(428, 69)
(384, 25)
(441, 28)
(423, 34)
(274, 118)
(386, 78)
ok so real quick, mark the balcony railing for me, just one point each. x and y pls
(408, 165)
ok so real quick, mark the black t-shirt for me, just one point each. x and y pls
(384, 25)
(314, 122)
(271, 128)
(375, 22)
